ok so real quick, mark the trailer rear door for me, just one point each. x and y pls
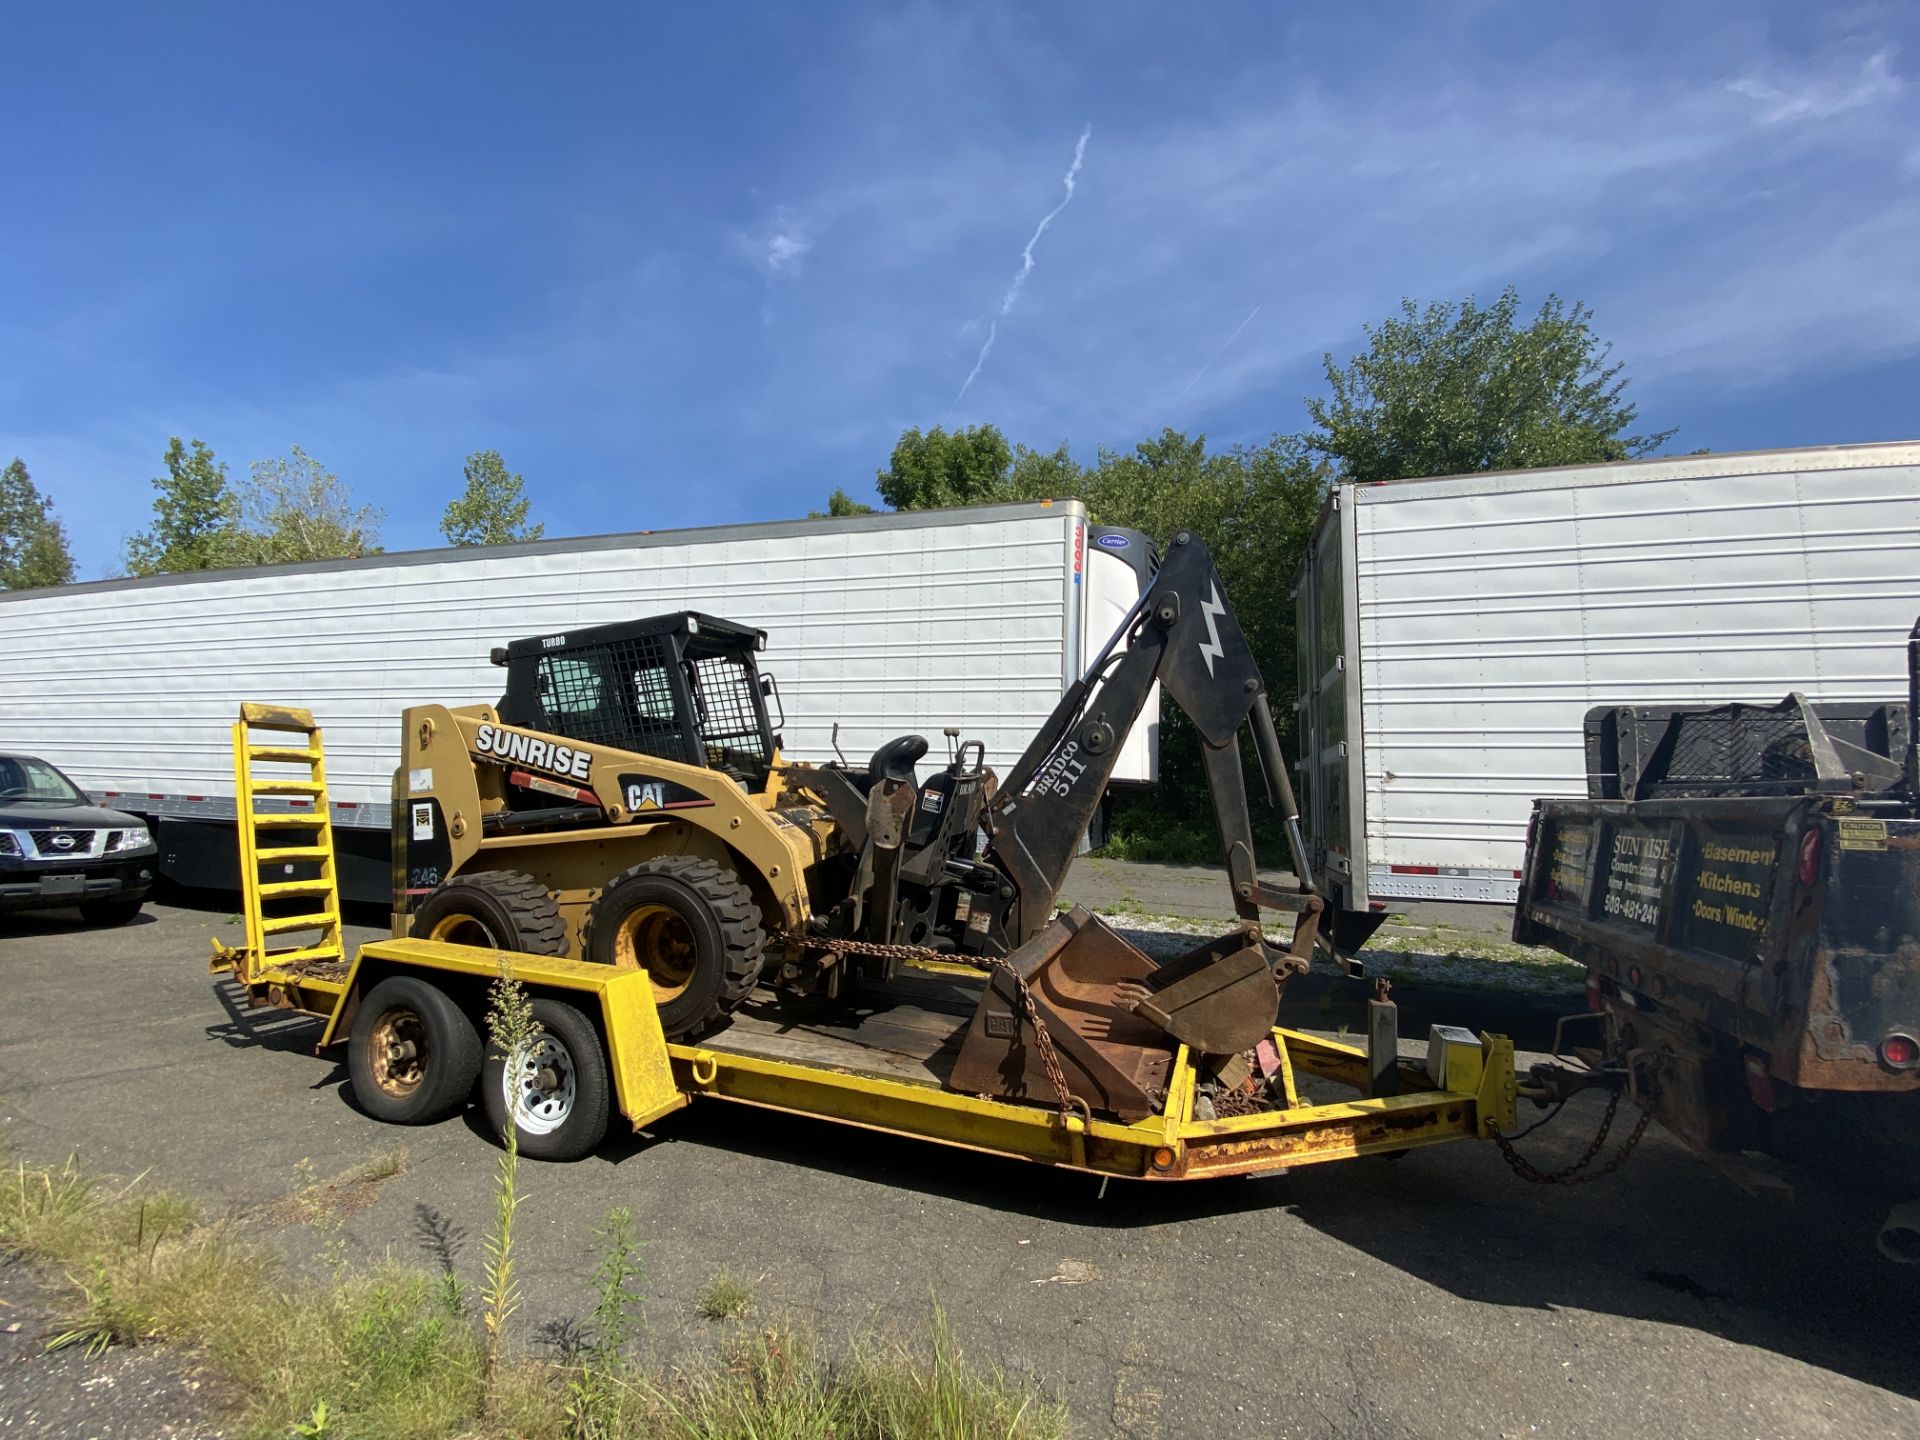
(1327, 698)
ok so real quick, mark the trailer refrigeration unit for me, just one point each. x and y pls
(1453, 633)
(893, 623)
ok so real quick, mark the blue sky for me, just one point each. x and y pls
(689, 265)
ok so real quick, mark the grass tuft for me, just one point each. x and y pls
(726, 1297)
(386, 1353)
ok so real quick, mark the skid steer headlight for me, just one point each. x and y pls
(120, 842)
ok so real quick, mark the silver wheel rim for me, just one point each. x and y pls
(539, 1085)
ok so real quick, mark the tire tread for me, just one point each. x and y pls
(535, 914)
(743, 935)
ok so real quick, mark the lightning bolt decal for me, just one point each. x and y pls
(1211, 607)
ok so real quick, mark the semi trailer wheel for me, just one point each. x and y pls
(691, 924)
(494, 909)
(412, 1054)
(554, 1089)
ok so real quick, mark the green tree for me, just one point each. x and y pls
(937, 469)
(1255, 506)
(33, 543)
(296, 509)
(196, 516)
(840, 503)
(493, 508)
(941, 468)
(1457, 388)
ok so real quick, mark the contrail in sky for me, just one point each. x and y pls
(1218, 353)
(1026, 266)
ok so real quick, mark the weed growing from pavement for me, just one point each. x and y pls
(512, 1028)
(726, 1297)
(596, 1392)
(325, 1219)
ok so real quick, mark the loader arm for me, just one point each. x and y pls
(1182, 634)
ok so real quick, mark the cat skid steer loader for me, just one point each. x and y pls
(626, 803)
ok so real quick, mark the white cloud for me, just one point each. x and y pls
(786, 248)
(1820, 94)
(779, 245)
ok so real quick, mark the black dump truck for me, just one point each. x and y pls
(1743, 884)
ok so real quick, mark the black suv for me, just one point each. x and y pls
(58, 848)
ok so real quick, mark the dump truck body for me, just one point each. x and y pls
(1745, 892)
(1769, 948)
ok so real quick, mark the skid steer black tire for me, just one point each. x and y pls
(413, 1053)
(496, 909)
(705, 914)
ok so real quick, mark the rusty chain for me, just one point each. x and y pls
(1572, 1174)
(1043, 1042)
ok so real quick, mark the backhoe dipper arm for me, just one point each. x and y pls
(1182, 634)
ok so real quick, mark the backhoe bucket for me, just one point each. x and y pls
(1115, 1017)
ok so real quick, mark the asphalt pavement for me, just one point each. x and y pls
(1430, 1294)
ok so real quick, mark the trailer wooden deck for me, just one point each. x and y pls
(909, 1031)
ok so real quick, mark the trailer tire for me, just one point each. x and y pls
(413, 1053)
(555, 1091)
(692, 925)
(494, 909)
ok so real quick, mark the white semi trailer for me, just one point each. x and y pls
(1455, 631)
(889, 624)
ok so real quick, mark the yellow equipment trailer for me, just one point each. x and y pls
(601, 1032)
(411, 1015)
(692, 915)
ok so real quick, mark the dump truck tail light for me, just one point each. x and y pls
(1900, 1052)
(1809, 857)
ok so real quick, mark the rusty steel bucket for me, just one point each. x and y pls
(1115, 1016)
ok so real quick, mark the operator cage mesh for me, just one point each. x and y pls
(622, 694)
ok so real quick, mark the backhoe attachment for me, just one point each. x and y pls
(1116, 1016)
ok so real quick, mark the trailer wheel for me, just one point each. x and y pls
(691, 924)
(413, 1054)
(496, 910)
(554, 1089)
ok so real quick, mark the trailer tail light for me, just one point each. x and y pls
(1809, 857)
(1900, 1052)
